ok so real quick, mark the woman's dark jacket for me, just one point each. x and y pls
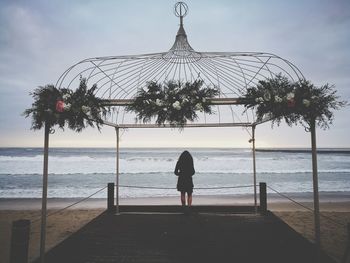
(184, 170)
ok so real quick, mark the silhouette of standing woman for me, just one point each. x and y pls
(184, 170)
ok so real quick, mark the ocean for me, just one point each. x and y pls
(79, 172)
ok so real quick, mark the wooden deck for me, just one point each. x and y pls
(208, 234)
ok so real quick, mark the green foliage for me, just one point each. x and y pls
(173, 102)
(295, 102)
(80, 108)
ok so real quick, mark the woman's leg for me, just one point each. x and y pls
(189, 199)
(183, 198)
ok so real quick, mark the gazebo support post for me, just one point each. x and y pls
(315, 188)
(117, 172)
(44, 194)
(254, 169)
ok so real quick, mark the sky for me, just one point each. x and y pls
(40, 39)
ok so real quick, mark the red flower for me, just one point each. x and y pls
(60, 106)
(291, 103)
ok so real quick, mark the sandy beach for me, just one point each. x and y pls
(64, 223)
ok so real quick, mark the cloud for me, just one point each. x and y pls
(23, 32)
(40, 39)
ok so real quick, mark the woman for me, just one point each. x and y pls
(184, 170)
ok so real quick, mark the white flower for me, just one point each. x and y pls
(278, 99)
(85, 109)
(165, 109)
(306, 102)
(290, 96)
(176, 105)
(67, 106)
(267, 96)
(145, 89)
(158, 102)
(66, 96)
(199, 107)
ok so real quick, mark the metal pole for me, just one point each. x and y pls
(117, 172)
(44, 194)
(315, 188)
(254, 169)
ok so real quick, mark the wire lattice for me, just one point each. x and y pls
(119, 77)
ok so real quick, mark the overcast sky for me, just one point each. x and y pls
(39, 40)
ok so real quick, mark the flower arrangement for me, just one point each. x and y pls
(295, 102)
(173, 102)
(62, 107)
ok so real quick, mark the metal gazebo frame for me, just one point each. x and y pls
(119, 77)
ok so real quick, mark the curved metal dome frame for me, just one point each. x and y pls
(119, 77)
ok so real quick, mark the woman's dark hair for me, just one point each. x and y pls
(186, 159)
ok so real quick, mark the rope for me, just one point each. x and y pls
(146, 187)
(140, 187)
(172, 188)
(60, 210)
(225, 187)
(307, 208)
(199, 188)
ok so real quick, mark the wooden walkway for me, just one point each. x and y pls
(206, 235)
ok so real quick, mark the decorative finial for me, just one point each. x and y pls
(180, 10)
